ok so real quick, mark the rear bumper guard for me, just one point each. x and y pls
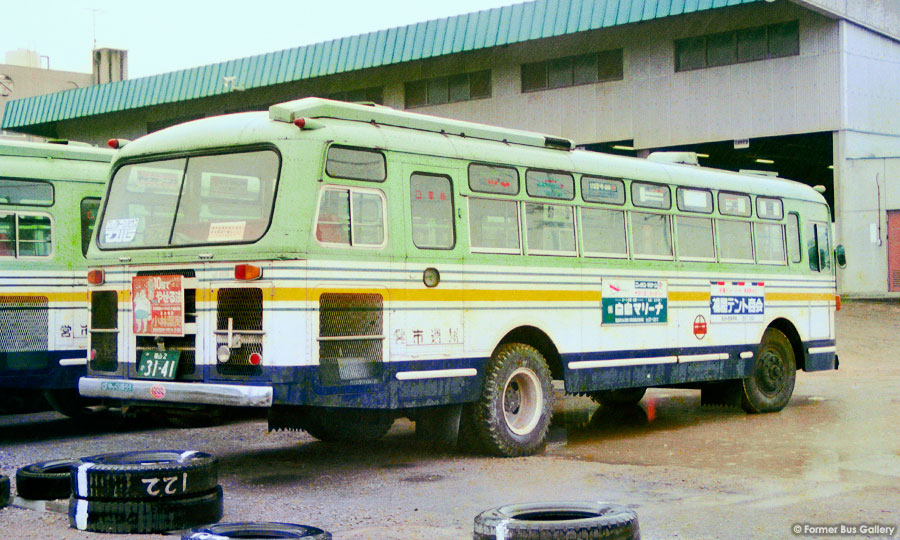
(177, 392)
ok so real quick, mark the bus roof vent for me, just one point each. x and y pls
(386, 116)
(683, 158)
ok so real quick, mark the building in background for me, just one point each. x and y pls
(804, 88)
(27, 74)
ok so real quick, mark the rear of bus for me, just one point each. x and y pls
(49, 197)
(199, 222)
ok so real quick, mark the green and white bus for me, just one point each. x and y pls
(346, 264)
(49, 197)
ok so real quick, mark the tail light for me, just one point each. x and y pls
(837, 302)
(247, 272)
(255, 359)
(95, 277)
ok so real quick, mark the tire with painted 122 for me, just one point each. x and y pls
(512, 415)
(771, 384)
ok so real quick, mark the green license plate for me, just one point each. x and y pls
(158, 364)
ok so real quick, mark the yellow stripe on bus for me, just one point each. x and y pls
(79, 296)
(300, 294)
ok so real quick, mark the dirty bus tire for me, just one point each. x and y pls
(512, 416)
(147, 516)
(769, 387)
(557, 520)
(45, 480)
(4, 490)
(257, 530)
(619, 398)
(347, 425)
(151, 474)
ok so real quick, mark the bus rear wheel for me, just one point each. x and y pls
(770, 386)
(513, 414)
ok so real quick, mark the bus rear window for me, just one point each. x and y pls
(217, 199)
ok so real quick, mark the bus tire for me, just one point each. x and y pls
(624, 397)
(4, 490)
(769, 387)
(513, 414)
(45, 480)
(152, 474)
(256, 530)
(347, 425)
(562, 520)
(154, 516)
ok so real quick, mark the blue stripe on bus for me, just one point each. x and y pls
(302, 385)
(40, 370)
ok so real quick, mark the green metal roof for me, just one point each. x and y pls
(472, 31)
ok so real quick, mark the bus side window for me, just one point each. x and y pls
(8, 235)
(824, 243)
(35, 234)
(333, 223)
(793, 237)
(431, 211)
(89, 208)
(812, 248)
(494, 225)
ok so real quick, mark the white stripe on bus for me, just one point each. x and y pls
(747, 354)
(703, 357)
(817, 350)
(587, 364)
(73, 362)
(436, 374)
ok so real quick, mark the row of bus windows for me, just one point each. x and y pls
(370, 165)
(356, 217)
(31, 235)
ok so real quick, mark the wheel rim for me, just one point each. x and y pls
(522, 401)
(770, 372)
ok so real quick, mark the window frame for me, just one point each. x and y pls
(768, 262)
(18, 240)
(635, 201)
(749, 224)
(721, 206)
(768, 198)
(359, 149)
(712, 228)
(634, 254)
(679, 198)
(544, 252)
(570, 175)
(452, 211)
(30, 181)
(490, 250)
(601, 178)
(599, 254)
(794, 222)
(350, 190)
(498, 165)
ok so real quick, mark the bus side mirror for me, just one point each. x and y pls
(840, 257)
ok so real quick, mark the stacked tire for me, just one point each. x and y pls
(45, 480)
(144, 492)
(4, 490)
(568, 520)
(223, 531)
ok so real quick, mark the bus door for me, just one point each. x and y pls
(429, 332)
(354, 260)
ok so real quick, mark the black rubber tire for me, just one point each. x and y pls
(770, 386)
(260, 530)
(515, 371)
(557, 520)
(619, 398)
(4, 490)
(45, 480)
(346, 425)
(153, 474)
(156, 516)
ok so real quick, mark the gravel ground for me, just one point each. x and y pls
(831, 457)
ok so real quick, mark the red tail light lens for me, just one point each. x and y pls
(255, 359)
(96, 277)
(837, 302)
(247, 272)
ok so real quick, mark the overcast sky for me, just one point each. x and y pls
(166, 35)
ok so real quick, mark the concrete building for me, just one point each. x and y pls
(806, 88)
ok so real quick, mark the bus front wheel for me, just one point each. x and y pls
(769, 387)
(512, 416)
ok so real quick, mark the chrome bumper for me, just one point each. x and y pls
(177, 392)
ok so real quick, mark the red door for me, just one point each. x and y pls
(893, 250)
